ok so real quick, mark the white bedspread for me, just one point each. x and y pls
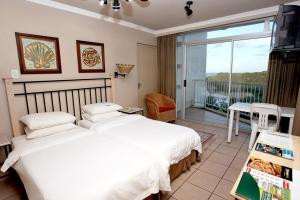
(79, 164)
(164, 142)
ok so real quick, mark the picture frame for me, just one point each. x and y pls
(38, 54)
(90, 56)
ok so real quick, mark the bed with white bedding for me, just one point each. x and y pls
(166, 143)
(78, 164)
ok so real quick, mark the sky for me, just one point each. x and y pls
(248, 56)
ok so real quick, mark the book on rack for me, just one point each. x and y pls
(264, 180)
(276, 151)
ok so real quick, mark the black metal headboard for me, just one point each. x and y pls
(66, 99)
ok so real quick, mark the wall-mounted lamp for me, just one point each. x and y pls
(123, 70)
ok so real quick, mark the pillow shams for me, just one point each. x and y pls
(31, 134)
(99, 117)
(100, 108)
(48, 119)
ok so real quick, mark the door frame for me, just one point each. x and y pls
(231, 39)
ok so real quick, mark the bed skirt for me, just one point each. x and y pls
(183, 165)
(178, 168)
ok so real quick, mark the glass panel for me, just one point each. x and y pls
(250, 63)
(179, 78)
(218, 70)
(205, 63)
(237, 30)
(256, 27)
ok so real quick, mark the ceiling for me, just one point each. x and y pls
(161, 14)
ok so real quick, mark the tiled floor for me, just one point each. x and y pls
(212, 178)
(206, 116)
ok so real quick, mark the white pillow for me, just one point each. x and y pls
(99, 117)
(48, 131)
(99, 108)
(48, 119)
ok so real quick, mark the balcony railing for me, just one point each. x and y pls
(214, 94)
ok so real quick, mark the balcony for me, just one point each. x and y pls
(214, 94)
(209, 100)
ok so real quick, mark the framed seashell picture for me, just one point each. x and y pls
(38, 54)
(90, 57)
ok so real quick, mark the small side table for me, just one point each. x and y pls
(5, 143)
(132, 110)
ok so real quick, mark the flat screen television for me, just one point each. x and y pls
(286, 28)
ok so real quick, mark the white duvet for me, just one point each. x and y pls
(166, 143)
(79, 164)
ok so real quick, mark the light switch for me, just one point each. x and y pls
(14, 73)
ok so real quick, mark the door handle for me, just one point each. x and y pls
(139, 85)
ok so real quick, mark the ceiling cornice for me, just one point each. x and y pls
(80, 11)
(250, 15)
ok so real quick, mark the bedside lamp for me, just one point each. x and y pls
(123, 70)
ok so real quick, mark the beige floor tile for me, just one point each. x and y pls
(238, 163)
(241, 137)
(213, 146)
(190, 192)
(213, 168)
(219, 140)
(243, 154)
(215, 197)
(171, 198)
(197, 164)
(245, 146)
(206, 154)
(223, 189)
(233, 144)
(174, 185)
(187, 174)
(227, 150)
(204, 180)
(221, 158)
(232, 174)
(182, 122)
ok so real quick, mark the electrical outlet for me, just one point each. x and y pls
(14, 73)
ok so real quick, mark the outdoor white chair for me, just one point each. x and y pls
(263, 122)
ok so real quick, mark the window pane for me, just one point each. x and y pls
(250, 62)
(256, 27)
(238, 30)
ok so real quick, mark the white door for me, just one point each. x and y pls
(147, 72)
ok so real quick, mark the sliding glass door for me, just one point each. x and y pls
(207, 80)
(213, 73)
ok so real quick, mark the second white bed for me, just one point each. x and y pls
(166, 143)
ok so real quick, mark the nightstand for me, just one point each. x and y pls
(5, 143)
(132, 110)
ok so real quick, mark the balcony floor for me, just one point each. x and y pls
(209, 117)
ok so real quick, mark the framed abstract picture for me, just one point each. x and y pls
(38, 54)
(90, 57)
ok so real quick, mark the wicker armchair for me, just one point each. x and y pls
(161, 107)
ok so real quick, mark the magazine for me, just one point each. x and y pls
(285, 153)
(270, 187)
(274, 181)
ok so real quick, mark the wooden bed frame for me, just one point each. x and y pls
(58, 97)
